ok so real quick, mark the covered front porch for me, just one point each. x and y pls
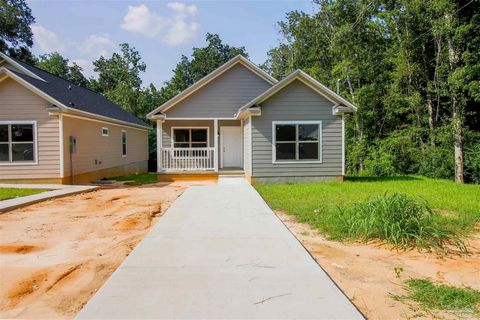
(199, 146)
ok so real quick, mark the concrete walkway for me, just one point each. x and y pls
(55, 191)
(219, 252)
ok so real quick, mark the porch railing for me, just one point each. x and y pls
(187, 159)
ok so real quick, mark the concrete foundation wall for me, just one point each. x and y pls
(277, 180)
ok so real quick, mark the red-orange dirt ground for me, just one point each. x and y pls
(370, 274)
(56, 254)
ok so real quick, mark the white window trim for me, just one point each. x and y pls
(274, 141)
(35, 144)
(172, 137)
(108, 132)
(126, 143)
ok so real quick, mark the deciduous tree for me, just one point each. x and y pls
(16, 37)
(56, 64)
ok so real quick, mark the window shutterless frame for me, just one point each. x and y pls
(296, 141)
(10, 143)
(105, 132)
(191, 145)
(181, 153)
(124, 143)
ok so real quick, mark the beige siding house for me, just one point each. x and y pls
(52, 131)
(238, 119)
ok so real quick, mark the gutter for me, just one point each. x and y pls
(55, 110)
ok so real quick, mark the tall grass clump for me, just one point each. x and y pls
(396, 218)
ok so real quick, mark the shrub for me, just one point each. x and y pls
(472, 163)
(437, 162)
(398, 219)
(379, 165)
(398, 153)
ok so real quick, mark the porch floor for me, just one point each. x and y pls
(199, 174)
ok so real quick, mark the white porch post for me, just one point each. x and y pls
(159, 145)
(215, 144)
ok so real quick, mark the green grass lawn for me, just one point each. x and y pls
(9, 193)
(138, 179)
(433, 296)
(458, 205)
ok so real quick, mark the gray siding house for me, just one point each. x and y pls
(239, 119)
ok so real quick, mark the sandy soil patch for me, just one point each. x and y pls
(56, 254)
(370, 274)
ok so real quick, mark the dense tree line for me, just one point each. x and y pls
(412, 67)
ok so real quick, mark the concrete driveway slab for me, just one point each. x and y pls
(234, 253)
(220, 253)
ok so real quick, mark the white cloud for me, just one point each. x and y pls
(183, 8)
(84, 51)
(96, 46)
(47, 40)
(174, 29)
(86, 65)
(91, 49)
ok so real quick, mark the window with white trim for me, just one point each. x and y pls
(105, 132)
(124, 143)
(17, 142)
(190, 137)
(297, 141)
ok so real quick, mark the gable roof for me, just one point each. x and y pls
(239, 59)
(67, 95)
(341, 105)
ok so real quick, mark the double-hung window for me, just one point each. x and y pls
(18, 142)
(297, 141)
(190, 137)
(186, 141)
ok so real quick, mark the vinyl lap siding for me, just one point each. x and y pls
(297, 102)
(222, 97)
(19, 103)
(91, 145)
(246, 147)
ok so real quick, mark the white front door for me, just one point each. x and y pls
(231, 147)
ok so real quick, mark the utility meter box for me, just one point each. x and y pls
(73, 144)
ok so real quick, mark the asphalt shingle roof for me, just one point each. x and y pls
(76, 97)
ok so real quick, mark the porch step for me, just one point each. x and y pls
(229, 172)
(227, 176)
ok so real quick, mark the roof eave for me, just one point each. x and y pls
(19, 66)
(102, 118)
(308, 80)
(269, 92)
(210, 77)
(58, 107)
(254, 111)
(158, 116)
(339, 109)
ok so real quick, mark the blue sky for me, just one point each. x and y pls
(160, 30)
